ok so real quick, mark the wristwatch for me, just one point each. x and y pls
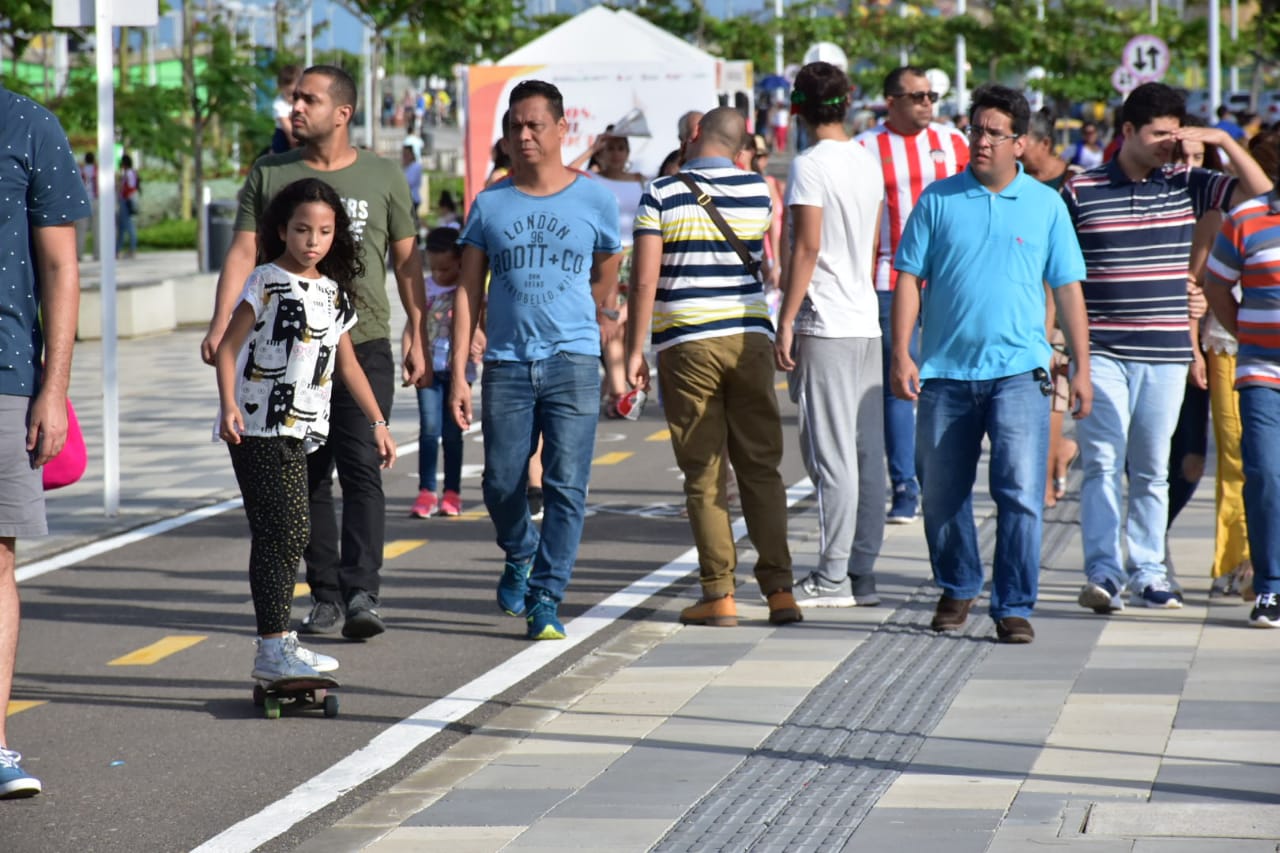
(609, 313)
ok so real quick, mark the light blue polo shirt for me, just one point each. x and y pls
(984, 258)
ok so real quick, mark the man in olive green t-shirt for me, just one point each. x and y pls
(377, 200)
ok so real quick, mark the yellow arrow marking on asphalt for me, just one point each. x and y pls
(660, 435)
(612, 458)
(301, 590)
(16, 706)
(780, 386)
(158, 650)
(400, 547)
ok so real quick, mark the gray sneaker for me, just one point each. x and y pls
(816, 591)
(323, 618)
(363, 620)
(277, 659)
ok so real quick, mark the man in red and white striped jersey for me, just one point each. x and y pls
(914, 151)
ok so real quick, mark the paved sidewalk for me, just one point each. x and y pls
(863, 730)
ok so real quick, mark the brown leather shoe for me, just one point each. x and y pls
(951, 613)
(1014, 629)
(783, 608)
(716, 612)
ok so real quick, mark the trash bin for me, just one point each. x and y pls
(220, 221)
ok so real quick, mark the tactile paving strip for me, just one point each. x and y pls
(813, 780)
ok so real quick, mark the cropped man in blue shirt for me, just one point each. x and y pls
(549, 238)
(987, 241)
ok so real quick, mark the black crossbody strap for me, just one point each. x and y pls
(708, 204)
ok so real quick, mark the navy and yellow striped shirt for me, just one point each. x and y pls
(704, 291)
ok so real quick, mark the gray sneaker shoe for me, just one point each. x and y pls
(816, 591)
(323, 618)
(277, 659)
(363, 620)
(315, 660)
(1101, 598)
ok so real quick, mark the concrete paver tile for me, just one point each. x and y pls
(1184, 820)
(535, 771)
(489, 807)
(937, 791)
(446, 839)
(620, 834)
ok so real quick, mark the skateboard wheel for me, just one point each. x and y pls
(259, 695)
(272, 705)
(331, 706)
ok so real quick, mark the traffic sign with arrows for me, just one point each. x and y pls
(1147, 57)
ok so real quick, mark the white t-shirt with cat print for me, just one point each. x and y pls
(285, 370)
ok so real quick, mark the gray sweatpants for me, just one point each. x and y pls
(838, 386)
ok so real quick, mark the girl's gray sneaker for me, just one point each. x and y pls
(315, 660)
(278, 658)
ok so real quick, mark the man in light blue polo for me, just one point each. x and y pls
(987, 242)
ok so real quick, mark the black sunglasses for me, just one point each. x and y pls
(918, 97)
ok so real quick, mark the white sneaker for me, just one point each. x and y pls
(277, 658)
(315, 660)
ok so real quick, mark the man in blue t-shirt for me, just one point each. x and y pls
(41, 198)
(548, 237)
(988, 241)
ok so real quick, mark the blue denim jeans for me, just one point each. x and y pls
(559, 399)
(953, 417)
(1135, 411)
(1260, 421)
(435, 428)
(899, 415)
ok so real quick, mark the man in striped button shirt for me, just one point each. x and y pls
(711, 327)
(1248, 252)
(914, 151)
(1135, 217)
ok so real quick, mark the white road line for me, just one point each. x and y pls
(392, 745)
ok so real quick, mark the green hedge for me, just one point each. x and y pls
(168, 234)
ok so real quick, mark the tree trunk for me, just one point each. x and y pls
(197, 121)
(122, 60)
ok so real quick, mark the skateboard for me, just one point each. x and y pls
(298, 693)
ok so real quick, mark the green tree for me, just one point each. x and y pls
(20, 22)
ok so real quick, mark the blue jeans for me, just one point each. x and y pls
(435, 428)
(1135, 411)
(1260, 421)
(559, 399)
(125, 226)
(899, 415)
(954, 416)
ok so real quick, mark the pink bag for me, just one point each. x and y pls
(68, 466)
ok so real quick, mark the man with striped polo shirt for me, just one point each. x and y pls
(914, 151)
(711, 327)
(1248, 252)
(1135, 217)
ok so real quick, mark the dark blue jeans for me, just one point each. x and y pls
(559, 399)
(899, 415)
(1260, 428)
(954, 415)
(435, 427)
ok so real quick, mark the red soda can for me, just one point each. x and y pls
(631, 404)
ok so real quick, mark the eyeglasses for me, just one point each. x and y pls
(977, 133)
(918, 97)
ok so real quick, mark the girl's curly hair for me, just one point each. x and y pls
(342, 263)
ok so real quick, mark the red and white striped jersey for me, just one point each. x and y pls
(910, 164)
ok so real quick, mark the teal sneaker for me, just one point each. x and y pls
(14, 781)
(512, 587)
(542, 619)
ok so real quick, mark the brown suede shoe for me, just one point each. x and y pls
(951, 613)
(783, 608)
(716, 612)
(1014, 629)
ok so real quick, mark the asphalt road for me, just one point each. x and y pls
(162, 755)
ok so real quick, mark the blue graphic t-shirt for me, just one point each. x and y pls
(540, 254)
(39, 186)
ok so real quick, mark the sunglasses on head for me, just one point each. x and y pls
(919, 97)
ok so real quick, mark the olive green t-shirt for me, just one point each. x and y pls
(376, 196)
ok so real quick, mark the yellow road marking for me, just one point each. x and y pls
(473, 514)
(16, 707)
(612, 458)
(660, 435)
(400, 547)
(158, 650)
(780, 386)
(301, 590)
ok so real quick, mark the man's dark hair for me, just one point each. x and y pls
(89, 157)
(1223, 111)
(526, 89)
(1151, 101)
(893, 80)
(821, 93)
(341, 87)
(1011, 102)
